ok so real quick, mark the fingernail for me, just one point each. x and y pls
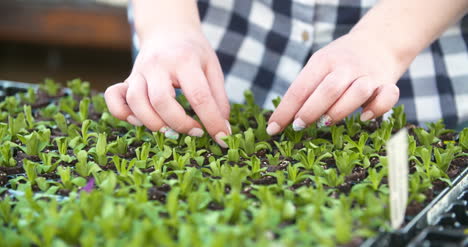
(367, 115)
(273, 128)
(219, 140)
(134, 121)
(298, 124)
(324, 120)
(229, 127)
(169, 133)
(196, 132)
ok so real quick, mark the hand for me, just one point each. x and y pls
(350, 72)
(167, 61)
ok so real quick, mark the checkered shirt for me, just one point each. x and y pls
(263, 44)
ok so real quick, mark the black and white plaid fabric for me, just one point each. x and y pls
(263, 44)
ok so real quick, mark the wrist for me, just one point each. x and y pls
(165, 18)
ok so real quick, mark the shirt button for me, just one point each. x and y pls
(305, 36)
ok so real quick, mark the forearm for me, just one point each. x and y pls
(165, 16)
(408, 26)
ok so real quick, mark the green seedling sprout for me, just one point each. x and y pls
(119, 146)
(309, 160)
(6, 155)
(424, 137)
(260, 131)
(47, 165)
(35, 142)
(83, 167)
(84, 109)
(353, 125)
(255, 168)
(345, 161)
(82, 137)
(17, 125)
(62, 147)
(273, 159)
(360, 146)
(79, 88)
(99, 152)
(248, 144)
(286, 148)
(50, 87)
(67, 182)
(217, 191)
(123, 166)
(399, 117)
(29, 97)
(10, 104)
(463, 139)
(49, 111)
(61, 122)
(337, 136)
(29, 117)
(381, 135)
(99, 104)
(296, 175)
(180, 161)
(31, 170)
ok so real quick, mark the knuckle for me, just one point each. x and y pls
(364, 88)
(198, 97)
(331, 90)
(298, 93)
(132, 96)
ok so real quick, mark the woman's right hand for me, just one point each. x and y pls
(168, 60)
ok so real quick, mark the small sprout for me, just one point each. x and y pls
(35, 142)
(30, 169)
(99, 152)
(29, 117)
(273, 159)
(345, 161)
(6, 155)
(99, 104)
(79, 88)
(119, 146)
(353, 125)
(337, 136)
(83, 167)
(84, 109)
(309, 160)
(29, 97)
(286, 148)
(360, 145)
(17, 125)
(123, 166)
(399, 117)
(50, 87)
(424, 137)
(463, 139)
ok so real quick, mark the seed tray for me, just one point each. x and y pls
(443, 222)
(11, 88)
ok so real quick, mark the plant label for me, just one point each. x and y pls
(397, 155)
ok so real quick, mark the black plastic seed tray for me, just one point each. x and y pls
(444, 222)
(11, 88)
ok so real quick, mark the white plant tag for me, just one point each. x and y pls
(397, 156)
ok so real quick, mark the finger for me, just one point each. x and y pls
(115, 100)
(386, 97)
(196, 89)
(162, 97)
(356, 95)
(326, 94)
(306, 82)
(215, 77)
(137, 99)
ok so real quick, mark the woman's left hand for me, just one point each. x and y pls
(352, 71)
